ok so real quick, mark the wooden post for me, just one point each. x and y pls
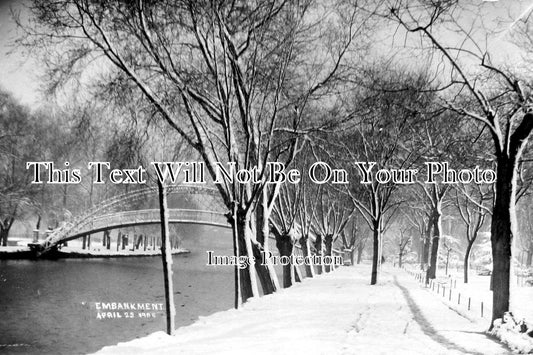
(481, 309)
(459, 298)
(469, 299)
(236, 271)
(166, 255)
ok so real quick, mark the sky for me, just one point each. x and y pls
(20, 74)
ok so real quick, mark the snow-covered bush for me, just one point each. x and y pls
(517, 335)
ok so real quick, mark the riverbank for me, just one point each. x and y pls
(74, 251)
(49, 306)
(337, 313)
(15, 252)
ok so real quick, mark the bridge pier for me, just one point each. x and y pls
(107, 238)
(119, 237)
(138, 241)
(124, 241)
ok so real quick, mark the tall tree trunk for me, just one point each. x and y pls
(247, 276)
(529, 257)
(447, 261)
(306, 251)
(167, 259)
(236, 271)
(285, 247)
(38, 224)
(359, 254)
(376, 251)
(318, 248)
(437, 228)
(426, 245)
(5, 227)
(328, 242)
(3, 236)
(502, 232)
(298, 277)
(266, 273)
(466, 265)
(400, 259)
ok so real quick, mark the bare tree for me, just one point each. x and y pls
(420, 219)
(378, 138)
(330, 219)
(473, 204)
(403, 240)
(224, 76)
(284, 227)
(498, 98)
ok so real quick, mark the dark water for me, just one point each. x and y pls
(48, 307)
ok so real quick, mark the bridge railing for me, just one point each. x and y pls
(151, 216)
(114, 220)
(100, 213)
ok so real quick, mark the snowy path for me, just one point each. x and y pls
(337, 313)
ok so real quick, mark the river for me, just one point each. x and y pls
(50, 307)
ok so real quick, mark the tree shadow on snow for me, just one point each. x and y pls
(428, 329)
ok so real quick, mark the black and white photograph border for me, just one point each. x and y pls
(266, 176)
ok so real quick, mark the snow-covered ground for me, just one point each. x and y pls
(478, 290)
(338, 313)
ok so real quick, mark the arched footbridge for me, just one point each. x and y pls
(197, 205)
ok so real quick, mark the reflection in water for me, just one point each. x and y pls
(49, 306)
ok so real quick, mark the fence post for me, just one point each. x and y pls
(481, 309)
(469, 299)
(450, 297)
(459, 298)
(443, 291)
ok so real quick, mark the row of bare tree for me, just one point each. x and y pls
(292, 82)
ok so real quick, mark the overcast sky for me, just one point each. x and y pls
(20, 74)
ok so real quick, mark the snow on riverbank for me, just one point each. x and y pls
(75, 250)
(103, 252)
(338, 313)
